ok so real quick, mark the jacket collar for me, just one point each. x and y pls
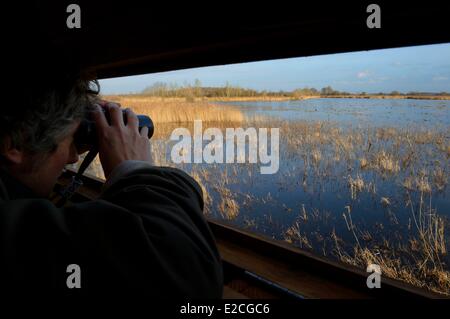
(11, 188)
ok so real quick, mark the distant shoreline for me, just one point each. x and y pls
(281, 98)
(273, 98)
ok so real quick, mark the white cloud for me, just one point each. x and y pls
(363, 74)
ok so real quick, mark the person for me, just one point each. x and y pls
(145, 233)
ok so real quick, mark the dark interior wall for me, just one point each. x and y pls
(127, 38)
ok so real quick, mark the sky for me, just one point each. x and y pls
(419, 68)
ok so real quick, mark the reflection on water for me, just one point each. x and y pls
(373, 112)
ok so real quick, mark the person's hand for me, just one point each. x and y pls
(119, 142)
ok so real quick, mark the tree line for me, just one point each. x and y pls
(162, 89)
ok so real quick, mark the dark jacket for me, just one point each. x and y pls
(146, 234)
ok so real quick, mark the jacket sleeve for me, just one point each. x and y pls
(145, 234)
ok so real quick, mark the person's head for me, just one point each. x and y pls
(36, 132)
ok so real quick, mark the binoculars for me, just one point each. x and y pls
(85, 139)
(86, 136)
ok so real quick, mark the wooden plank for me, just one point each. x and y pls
(284, 275)
(230, 293)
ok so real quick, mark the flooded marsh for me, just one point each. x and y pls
(359, 181)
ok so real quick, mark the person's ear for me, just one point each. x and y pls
(11, 153)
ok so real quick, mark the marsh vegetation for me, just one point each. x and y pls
(359, 184)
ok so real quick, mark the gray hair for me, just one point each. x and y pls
(46, 114)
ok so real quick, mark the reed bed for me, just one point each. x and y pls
(176, 110)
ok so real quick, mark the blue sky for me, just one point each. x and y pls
(420, 68)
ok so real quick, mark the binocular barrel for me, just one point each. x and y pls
(86, 135)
